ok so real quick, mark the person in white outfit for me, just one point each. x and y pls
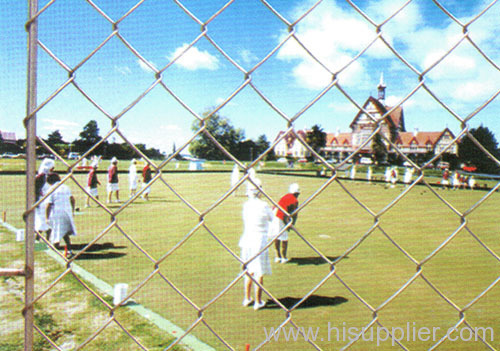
(41, 188)
(387, 175)
(353, 172)
(251, 176)
(369, 174)
(408, 175)
(60, 209)
(472, 182)
(456, 181)
(256, 218)
(133, 177)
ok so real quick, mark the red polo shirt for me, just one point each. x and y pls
(288, 202)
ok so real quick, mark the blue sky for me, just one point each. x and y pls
(334, 32)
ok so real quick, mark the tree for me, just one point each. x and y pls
(262, 144)
(379, 149)
(88, 137)
(316, 138)
(470, 153)
(223, 131)
(55, 139)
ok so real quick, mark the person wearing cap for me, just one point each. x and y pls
(289, 203)
(132, 177)
(146, 178)
(92, 182)
(257, 216)
(41, 188)
(113, 180)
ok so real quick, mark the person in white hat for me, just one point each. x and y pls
(41, 188)
(256, 218)
(113, 180)
(133, 177)
(289, 202)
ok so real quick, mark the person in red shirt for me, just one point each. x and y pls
(289, 203)
(92, 183)
(146, 178)
(113, 180)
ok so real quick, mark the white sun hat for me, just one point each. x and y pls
(294, 188)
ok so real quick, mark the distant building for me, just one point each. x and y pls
(8, 137)
(290, 146)
(392, 127)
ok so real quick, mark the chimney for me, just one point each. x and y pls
(415, 132)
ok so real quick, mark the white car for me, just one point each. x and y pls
(365, 161)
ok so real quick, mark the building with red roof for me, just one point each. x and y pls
(375, 117)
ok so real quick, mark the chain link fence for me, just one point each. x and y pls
(206, 309)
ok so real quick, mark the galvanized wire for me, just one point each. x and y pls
(289, 127)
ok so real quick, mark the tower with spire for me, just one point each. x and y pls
(381, 89)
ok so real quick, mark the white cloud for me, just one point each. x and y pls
(124, 70)
(407, 19)
(194, 59)
(68, 129)
(247, 56)
(334, 35)
(455, 62)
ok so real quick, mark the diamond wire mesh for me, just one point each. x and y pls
(289, 121)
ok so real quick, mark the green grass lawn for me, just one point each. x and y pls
(399, 246)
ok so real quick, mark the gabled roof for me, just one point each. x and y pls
(421, 138)
(396, 118)
(290, 137)
(338, 139)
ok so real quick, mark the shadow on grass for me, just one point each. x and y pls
(310, 302)
(100, 256)
(96, 247)
(317, 260)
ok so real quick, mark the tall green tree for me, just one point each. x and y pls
(55, 138)
(316, 138)
(56, 142)
(470, 153)
(262, 144)
(223, 131)
(89, 136)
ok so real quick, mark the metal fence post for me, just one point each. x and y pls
(30, 124)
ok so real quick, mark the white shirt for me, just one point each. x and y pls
(60, 200)
(256, 218)
(132, 176)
